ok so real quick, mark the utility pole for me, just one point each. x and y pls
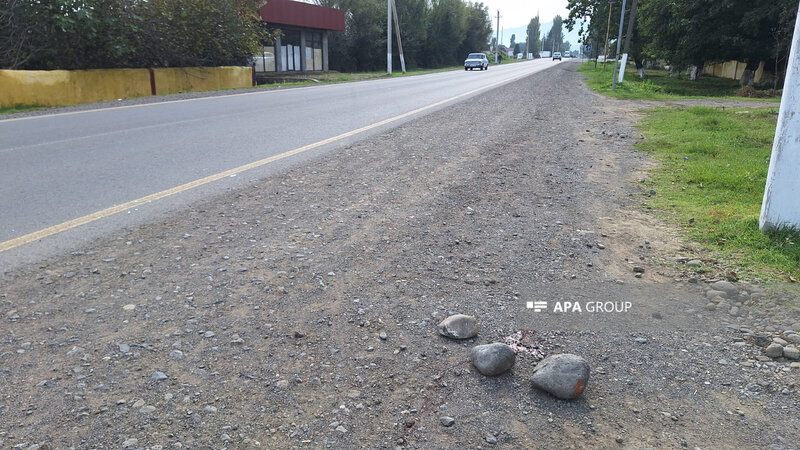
(608, 28)
(497, 38)
(389, 37)
(628, 38)
(781, 205)
(397, 32)
(619, 43)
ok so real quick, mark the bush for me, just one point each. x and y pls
(92, 34)
(751, 92)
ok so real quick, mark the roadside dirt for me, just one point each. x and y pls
(264, 308)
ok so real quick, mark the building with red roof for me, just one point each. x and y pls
(302, 45)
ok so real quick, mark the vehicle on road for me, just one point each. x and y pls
(263, 62)
(557, 56)
(476, 61)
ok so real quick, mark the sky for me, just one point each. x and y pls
(515, 14)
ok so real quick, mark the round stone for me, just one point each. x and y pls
(790, 352)
(459, 326)
(714, 293)
(447, 421)
(725, 286)
(493, 359)
(564, 376)
(774, 350)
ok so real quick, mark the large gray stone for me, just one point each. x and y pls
(711, 293)
(725, 286)
(158, 376)
(774, 350)
(493, 359)
(564, 376)
(791, 352)
(459, 326)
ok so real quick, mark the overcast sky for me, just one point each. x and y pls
(517, 13)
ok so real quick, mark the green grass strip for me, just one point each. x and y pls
(658, 85)
(711, 182)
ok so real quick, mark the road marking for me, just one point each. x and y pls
(68, 225)
(254, 92)
(168, 102)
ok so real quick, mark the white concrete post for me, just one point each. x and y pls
(781, 205)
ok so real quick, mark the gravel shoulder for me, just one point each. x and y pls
(301, 311)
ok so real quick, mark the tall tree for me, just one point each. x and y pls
(593, 31)
(554, 39)
(534, 42)
(86, 34)
(693, 32)
(414, 31)
(478, 29)
(447, 21)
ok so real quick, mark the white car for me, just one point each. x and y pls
(264, 62)
(475, 61)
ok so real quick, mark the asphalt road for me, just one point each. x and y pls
(61, 167)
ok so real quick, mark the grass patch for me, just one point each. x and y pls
(658, 85)
(337, 77)
(713, 170)
(19, 109)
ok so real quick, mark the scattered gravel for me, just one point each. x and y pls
(471, 210)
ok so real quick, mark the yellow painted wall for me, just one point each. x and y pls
(732, 70)
(69, 87)
(190, 79)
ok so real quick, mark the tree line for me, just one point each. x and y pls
(434, 33)
(87, 34)
(552, 41)
(692, 33)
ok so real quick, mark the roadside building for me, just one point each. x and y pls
(303, 43)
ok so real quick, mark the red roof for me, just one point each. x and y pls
(306, 15)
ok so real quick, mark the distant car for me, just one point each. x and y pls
(476, 61)
(557, 56)
(264, 62)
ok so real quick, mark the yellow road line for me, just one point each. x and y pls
(55, 229)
